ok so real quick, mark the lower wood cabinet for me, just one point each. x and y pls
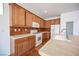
(32, 42)
(23, 46)
(45, 37)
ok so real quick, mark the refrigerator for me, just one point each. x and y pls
(55, 30)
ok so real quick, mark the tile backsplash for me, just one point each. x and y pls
(19, 30)
(25, 30)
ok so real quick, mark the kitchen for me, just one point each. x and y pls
(30, 31)
(25, 24)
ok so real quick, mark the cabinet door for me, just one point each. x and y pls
(35, 18)
(17, 15)
(45, 37)
(32, 41)
(21, 46)
(28, 19)
(48, 35)
(47, 24)
(42, 23)
(57, 21)
(24, 45)
(21, 17)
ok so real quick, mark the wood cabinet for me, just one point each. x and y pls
(45, 37)
(17, 15)
(31, 41)
(32, 18)
(41, 23)
(24, 45)
(52, 22)
(21, 46)
(57, 21)
(47, 24)
(20, 17)
(35, 19)
(29, 19)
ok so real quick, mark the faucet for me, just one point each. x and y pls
(64, 29)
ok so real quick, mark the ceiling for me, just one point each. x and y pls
(48, 10)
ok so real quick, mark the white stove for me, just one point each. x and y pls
(38, 37)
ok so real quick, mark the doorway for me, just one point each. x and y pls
(69, 28)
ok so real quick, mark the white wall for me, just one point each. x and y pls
(1, 8)
(4, 31)
(71, 16)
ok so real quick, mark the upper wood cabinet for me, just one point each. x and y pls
(47, 24)
(57, 21)
(17, 15)
(52, 22)
(29, 19)
(35, 19)
(41, 23)
(20, 17)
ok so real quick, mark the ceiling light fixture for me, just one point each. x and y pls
(45, 11)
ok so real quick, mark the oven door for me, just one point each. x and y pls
(38, 40)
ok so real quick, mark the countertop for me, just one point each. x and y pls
(25, 35)
(20, 36)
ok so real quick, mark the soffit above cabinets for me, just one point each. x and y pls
(48, 10)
